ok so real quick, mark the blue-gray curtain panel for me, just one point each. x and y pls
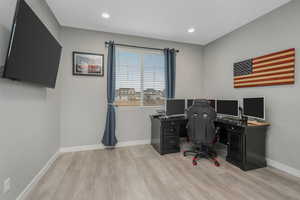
(109, 136)
(170, 66)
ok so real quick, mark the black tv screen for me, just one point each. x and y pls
(33, 54)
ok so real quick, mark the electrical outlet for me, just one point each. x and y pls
(6, 186)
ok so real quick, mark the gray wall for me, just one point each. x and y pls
(276, 31)
(29, 117)
(83, 100)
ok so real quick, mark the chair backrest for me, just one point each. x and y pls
(201, 117)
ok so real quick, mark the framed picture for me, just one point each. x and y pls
(88, 64)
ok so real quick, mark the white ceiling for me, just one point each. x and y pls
(161, 19)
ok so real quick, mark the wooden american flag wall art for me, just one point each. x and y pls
(272, 69)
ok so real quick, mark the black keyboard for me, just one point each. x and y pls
(232, 121)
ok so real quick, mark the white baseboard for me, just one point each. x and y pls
(133, 143)
(36, 179)
(81, 148)
(100, 146)
(283, 167)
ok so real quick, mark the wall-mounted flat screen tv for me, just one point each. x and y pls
(33, 53)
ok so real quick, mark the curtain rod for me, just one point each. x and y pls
(141, 47)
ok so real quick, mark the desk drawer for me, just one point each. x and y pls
(171, 142)
(171, 131)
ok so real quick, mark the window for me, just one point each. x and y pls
(140, 77)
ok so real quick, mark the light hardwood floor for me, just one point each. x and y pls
(139, 173)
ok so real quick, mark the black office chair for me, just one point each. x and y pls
(202, 132)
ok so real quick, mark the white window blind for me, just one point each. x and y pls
(140, 77)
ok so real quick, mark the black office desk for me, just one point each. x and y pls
(245, 143)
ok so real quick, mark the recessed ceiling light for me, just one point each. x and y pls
(105, 15)
(191, 30)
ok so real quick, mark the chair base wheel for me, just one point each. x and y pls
(202, 154)
(217, 164)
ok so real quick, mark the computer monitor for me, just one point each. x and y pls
(212, 103)
(190, 102)
(228, 107)
(175, 107)
(254, 107)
